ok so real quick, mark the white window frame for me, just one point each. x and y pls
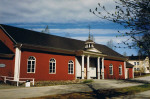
(134, 63)
(71, 62)
(120, 68)
(138, 63)
(111, 66)
(31, 64)
(52, 66)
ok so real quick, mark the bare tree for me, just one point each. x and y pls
(124, 54)
(110, 44)
(133, 15)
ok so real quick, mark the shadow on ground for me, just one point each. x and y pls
(136, 81)
(102, 94)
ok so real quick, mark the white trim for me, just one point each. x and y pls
(73, 67)
(52, 67)
(17, 64)
(111, 65)
(31, 66)
(98, 67)
(76, 67)
(120, 67)
(82, 67)
(88, 65)
(8, 34)
(133, 72)
(103, 68)
(125, 71)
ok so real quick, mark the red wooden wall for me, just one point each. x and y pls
(130, 76)
(6, 40)
(42, 66)
(9, 69)
(115, 69)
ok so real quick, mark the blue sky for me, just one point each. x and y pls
(67, 18)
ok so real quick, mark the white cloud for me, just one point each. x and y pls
(84, 31)
(15, 11)
(104, 39)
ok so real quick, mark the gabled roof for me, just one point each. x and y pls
(128, 65)
(4, 49)
(24, 36)
(5, 52)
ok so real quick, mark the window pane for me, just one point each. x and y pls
(51, 67)
(32, 70)
(29, 66)
(33, 66)
(29, 62)
(33, 62)
(53, 70)
(50, 71)
(28, 70)
(134, 63)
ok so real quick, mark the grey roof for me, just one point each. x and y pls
(25, 36)
(128, 65)
(137, 57)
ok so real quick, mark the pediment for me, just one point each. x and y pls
(93, 50)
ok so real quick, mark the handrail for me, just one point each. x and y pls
(5, 79)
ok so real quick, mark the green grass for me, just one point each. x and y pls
(137, 74)
(44, 83)
(61, 82)
(7, 86)
(100, 94)
(87, 81)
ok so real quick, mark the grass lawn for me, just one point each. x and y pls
(100, 94)
(44, 83)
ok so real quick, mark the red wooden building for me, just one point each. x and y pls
(29, 54)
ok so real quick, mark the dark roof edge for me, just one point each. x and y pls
(129, 65)
(49, 49)
(6, 55)
(116, 58)
(8, 34)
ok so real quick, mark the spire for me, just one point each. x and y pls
(89, 32)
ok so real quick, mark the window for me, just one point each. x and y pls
(111, 69)
(31, 64)
(137, 63)
(120, 69)
(134, 63)
(138, 69)
(134, 69)
(70, 67)
(52, 66)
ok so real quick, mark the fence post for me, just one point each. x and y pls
(33, 81)
(4, 79)
(17, 83)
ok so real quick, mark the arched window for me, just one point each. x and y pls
(52, 66)
(31, 64)
(70, 67)
(120, 69)
(111, 69)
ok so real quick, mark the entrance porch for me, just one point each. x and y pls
(89, 67)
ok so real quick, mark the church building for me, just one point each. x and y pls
(30, 54)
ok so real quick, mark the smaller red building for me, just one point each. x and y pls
(29, 54)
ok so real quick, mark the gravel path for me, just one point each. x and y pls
(62, 89)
